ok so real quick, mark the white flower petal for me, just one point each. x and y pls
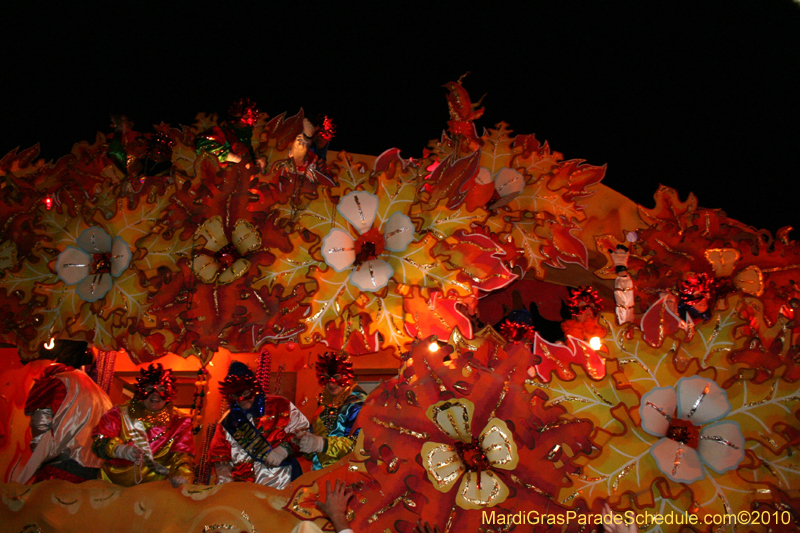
(398, 232)
(497, 442)
(371, 276)
(442, 463)
(677, 461)
(94, 241)
(721, 446)
(655, 405)
(484, 176)
(492, 491)
(205, 268)
(73, 264)
(238, 269)
(359, 209)
(213, 231)
(508, 183)
(453, 418)
(94, 287)
(120, 256)
(701, 401)
(246, 237)
(338, 250)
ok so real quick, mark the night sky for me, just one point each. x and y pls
(701, 96)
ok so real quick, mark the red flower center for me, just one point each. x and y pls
(473, 456)
(683, 431)
(101, 263)
(227, 256)
(369, 246)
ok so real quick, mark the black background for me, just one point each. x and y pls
(702, 96)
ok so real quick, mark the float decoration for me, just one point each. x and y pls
(237, 252)
(632, 461)
(491, 440)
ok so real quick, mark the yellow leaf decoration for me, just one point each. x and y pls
(624, 469)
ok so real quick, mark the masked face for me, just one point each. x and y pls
(335, 384)
(155, 397)
(300, 146)
(245, 399)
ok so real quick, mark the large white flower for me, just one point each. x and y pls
(677, 414)
(341, 251)
(94, 263)
(476, 458)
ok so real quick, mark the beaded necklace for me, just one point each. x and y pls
(331, 405)
(138, 411)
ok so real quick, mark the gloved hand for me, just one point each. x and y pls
(129, 452)
(224, 472)
(310, 443)
(276, 456)
(177, 481)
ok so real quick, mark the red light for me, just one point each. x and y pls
(48, 203)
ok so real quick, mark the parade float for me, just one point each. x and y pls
(602, 351)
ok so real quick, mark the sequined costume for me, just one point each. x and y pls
(67, 404)
(146, 439)
(299, 175)
(253, 440)
(169, 433)
(334, 421)
(293, 181)
(281, 419)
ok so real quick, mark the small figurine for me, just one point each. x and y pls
(623, 285)
(306, 167)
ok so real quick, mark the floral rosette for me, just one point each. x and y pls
(87, 283)
(445, 440)
(677, 428)
(369, 257)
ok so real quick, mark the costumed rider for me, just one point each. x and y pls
(341, 401)
(146, 439)
(308, 153)
(252, 442)
(64, 405)
(584, 305)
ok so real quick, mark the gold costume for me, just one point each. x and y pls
(168, 432)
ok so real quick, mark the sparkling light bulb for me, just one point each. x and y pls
(434, 346)
(595, 343)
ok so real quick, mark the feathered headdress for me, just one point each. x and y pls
(156, 376)
(330, 364)
(692, 291)
(583, 298)
(696, 287)
(239, 379)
